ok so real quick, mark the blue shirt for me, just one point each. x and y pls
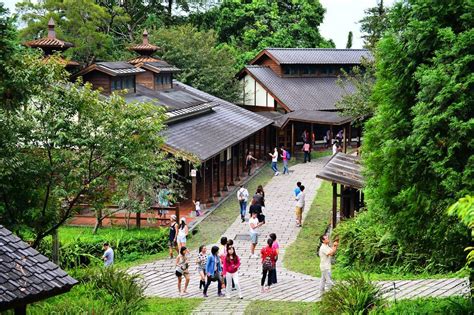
(297, 191)
(211, 264)
(109, 257)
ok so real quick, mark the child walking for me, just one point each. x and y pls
(197, 207)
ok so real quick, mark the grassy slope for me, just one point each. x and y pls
(171, 306)
(281, 307)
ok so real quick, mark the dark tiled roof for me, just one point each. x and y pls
(174, 99)
(142, 59)
(318, 93)
(318, 55)
(160, 66)
(49, 43)
(114, 68)
(343, 169)
(26, 276)
(206, 135)
(313, 116)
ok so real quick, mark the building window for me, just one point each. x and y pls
(163, 79)
(122, 83)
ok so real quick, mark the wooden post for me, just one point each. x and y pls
(232, 149)
(178, 205)
(260, 135)
(203, 177)
(265, 136)
(292, 142)
(225, 188)
(218, 181)
(211, 183)
(248, 145)
(138, 219)
(331, 134)
(344, 144)
(20, 310)
(341, 203)
(255, 145)
(311, 136)
(334, 205)
(239, 152)
(350, 136)
(193, 187)
(352, 202)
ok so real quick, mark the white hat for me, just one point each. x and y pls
(183, 219)
(173, 217)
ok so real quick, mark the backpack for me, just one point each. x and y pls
(288, 156)
(267, 264)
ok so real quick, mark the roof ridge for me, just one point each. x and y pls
(315, 48)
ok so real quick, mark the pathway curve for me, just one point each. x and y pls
(161, 281)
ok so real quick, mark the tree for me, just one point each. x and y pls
(204, 64)
(64, 141)
(250, 26)
(464, 209)
(418, 150)
(92, 28)
(349, 40)
(374, 24)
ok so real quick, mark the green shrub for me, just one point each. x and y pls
(357, 295)
(428, 306)
(84, 249)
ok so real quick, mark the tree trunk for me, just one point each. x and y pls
(170, 7)
(98, 221)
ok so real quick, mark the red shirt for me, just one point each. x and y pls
(269, 252)
(232, 266)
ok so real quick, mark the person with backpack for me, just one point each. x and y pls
(213, 271)
(285, 155)
(243, 197)
(231, 264)
(269, 258)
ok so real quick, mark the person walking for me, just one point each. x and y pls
(213, 271)
(231, 264)
(284, 155)
(269, 258)
(307, 152)
(258, 204)
(300, 200)
(254, 225)
(108, 256)
(325, 253)
(182, 233)
(276, 247)
(248, 162)
(274, 156)
(243, 197)
(297, 190)
(201, 265)
(335, 147)
(172, 237)
(182, 269)
(197, 207)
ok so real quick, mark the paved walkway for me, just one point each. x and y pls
(291, 286)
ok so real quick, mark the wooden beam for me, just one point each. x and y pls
(239, 153)
(352, 202)
(232, 153)
(341, 203)
(265, 142)
(203, 179)
(211, 183)
(218, 181)
(255, 145)
(260, 135)
(292, 142)
(225, 188)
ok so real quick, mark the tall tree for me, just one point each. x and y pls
(250, 26)
(419, 150)
(204, 63)
(349, 40)
(374, 24)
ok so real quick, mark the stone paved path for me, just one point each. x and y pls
(291, 286)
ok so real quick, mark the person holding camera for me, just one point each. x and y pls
(325, 254)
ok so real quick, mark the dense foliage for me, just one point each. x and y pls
(356, 295)
(250, 26)
(418, 148)
(427, 306)
(81, 248)
(464, 209)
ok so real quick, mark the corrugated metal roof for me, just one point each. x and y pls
(343, 169)
(319, 55)
(310, 93)
(26, 276)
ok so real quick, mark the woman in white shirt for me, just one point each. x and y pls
(182, 233)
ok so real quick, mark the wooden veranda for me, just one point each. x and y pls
(344, 170)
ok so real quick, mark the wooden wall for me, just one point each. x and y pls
(99, 80)
(146, 79)
(272, 64)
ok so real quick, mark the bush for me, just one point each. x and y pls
(80, 250)
(101, 291)
(357, 295)
(426, 306)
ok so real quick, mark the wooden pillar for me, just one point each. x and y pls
(248, 145)
(265, 136)
(193, 186)
(218, 181)
(344, 144)
(341, 203)
(211, 183)
(255, 145)
(334, 205)
(260, 135)
(138, 219)
(352, 202)
(311, 136)
(239, 153)
(203, 179)
(20, 310)
(232, 153)
(350, 135)
(292, 142)
(331, 134)
(225, 188)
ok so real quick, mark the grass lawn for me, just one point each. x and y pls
(281, 307)
(211, 229)
(171, 306)
(301, 255)
(298, 258)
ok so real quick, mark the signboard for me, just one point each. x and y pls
(193, 173)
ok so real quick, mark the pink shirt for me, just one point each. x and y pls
(275, 245)
(306, 147)
(231, 266)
